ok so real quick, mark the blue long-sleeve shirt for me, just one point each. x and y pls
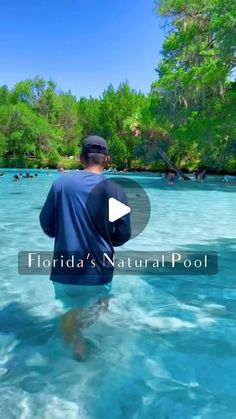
(75, 213)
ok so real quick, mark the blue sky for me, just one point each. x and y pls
(81, 44)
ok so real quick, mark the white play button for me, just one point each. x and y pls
(117, 209)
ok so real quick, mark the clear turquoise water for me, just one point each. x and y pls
(167, 346)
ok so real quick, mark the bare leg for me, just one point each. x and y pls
(74, 321)
(70, 328)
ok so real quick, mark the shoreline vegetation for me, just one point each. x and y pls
(74, 164)
(112, 169)
(186, 121)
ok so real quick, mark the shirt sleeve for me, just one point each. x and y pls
(122, 228)
(47, 215)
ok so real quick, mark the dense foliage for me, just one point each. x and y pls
(195, 93)
(40, 125)
(189, 113)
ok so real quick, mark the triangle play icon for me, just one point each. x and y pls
(117, 209)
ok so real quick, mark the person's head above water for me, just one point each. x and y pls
(94, 154)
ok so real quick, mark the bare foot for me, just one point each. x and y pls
(80, 350)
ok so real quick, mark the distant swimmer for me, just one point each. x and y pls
(61, 170)
(28, 176)
(16, 178)
(170, 176)
(36, 175)
(200, 175)
(228, 178)
(111, 170)
(2, 174)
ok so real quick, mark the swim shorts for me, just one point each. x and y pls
(81, 296)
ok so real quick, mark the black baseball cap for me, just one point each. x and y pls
(94, 144)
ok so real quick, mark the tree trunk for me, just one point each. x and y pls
(172, 165)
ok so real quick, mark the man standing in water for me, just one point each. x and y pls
(75, 213)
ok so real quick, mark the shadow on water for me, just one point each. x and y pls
(209, 297)
(16, 319)
(31, 349)
(224, 276)
(197, 289)
(27, 331)
(191, 324)
(225, 248)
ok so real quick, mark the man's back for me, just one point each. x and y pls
(76, 214)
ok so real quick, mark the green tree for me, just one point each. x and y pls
(68, 120)
(4, 95)
(194, 89)
(89, 116)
